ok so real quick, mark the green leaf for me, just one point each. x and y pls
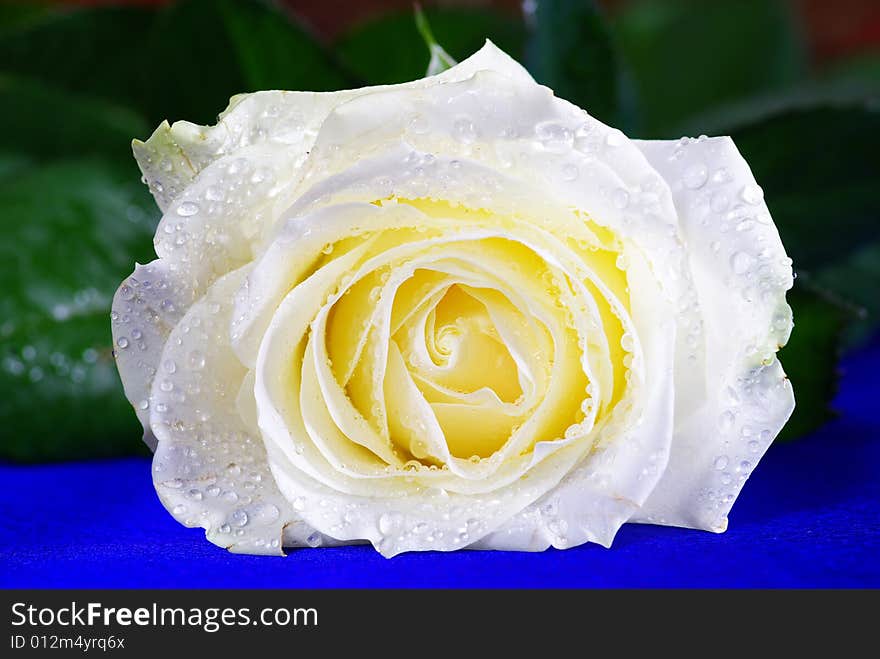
(182, 62)
(819, 172)
(201, 52)
(17, 15)
(810, 357)
(571, 51)
(688, 57)
(93, 52)
(857, 279)
(390, 49)
(32, 122)
(72, 230)
(842, 89)
(12, 163)
(861, 69)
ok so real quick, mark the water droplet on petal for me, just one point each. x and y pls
(752, 194)
(725, 421)
(721, 175)
(569, 173)
(615, 138)
(695, 176)
(266, 513)
(741, 262)
(196, 360)
(187, 209)
(464, 130)
(719, 202)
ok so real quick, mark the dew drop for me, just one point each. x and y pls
(614, 138)
(725, 421)
(752, 194)
(387, 522)
(719, 202)
(553, 136)
(239, 518)
(741, 262)
(695, 176)
(721, 462)
(213, 193)
(721, 175)
(464, 130)
(187, 209)
(620, 198)
(196, 360)
(266, 513)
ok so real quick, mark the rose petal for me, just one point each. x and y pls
(209, 471)
(146, 307)
(602, 492)
(202, 236)
(175, 154)
(741, 273)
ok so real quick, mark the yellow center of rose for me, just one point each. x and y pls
(465, 348)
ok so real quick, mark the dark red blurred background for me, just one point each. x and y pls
(833, 29)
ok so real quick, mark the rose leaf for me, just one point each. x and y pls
(72, 229)
(572, 51)
(688, 57)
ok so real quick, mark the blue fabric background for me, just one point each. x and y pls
(808, 517)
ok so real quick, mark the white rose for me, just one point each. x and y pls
(458, 312)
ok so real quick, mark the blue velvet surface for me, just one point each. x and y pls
(808, 517)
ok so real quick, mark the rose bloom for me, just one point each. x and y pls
(458, 312)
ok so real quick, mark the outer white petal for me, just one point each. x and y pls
(208, 469)
(741, 273)
(208, 231)
(175, 154)
(146, 307)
